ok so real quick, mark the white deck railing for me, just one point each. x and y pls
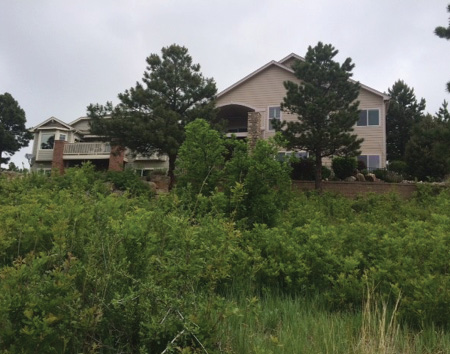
(87, 149)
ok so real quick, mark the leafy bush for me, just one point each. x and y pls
(398, 166)
(200, 158)
(303, 170)
(343, 167)
(361, 165)
(84, 270)
(388, 176)
(326, 172)
(256, 185)
(128, 181)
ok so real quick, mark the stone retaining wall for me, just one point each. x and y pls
(353, 189)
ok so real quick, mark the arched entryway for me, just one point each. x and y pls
(236, 116)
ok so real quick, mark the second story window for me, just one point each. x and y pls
(368, 117)
(47, 141)
(274, 113)
(62, 137)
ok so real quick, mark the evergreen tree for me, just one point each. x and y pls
(428, 151)
(404, 111)
(444, 32)
(13, 133)
(152, 115)
(325, 105)
(443, 114)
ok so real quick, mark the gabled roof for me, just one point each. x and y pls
(281, 64)
(291, 56)
(256, 72)
(51, 120)
(78, 119)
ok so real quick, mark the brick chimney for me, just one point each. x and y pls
(116, 158)
(58, 156)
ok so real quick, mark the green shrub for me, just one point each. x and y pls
(361, 165)
(380, 173)
(326, 172)
(343, 167)
(303, 170)
(128, 181)
(398, 166)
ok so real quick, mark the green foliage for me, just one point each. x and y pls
(254, 186)
(86, 270)
(152, 116)
(444, 32)
(13, 133)
(344, 167)
(361, 165)
(388, 176)
(303, 169)
(266, 185)
(325, 104)
(201, 158)
(128, 181)
(428, 150)
(398, 166)
(404, 111)
(443, 113)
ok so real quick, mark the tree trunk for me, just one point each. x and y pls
(171, 172)
(318, 174)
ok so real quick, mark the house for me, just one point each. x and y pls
(60, 145)
(250, 104)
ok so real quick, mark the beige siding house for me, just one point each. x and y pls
(263, 90)
(60, 145)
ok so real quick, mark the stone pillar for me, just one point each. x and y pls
(254, 129)
(58, 156)
(116, 158)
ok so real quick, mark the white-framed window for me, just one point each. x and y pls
(369, 117)
(144, 172)
(372, 161)
(47, 141)
(285, 155)
(274, 113)
(62, 137)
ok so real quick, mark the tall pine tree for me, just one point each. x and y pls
(444, 32)
(152, 115)
(13, 133)
(404, 111)
(326, 107)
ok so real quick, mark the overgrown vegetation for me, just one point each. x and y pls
(84, 269)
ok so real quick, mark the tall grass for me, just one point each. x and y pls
(280, 324)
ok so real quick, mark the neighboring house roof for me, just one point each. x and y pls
(281, 64)
(79, 119)
(47, 124)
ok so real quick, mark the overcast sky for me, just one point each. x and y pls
(56, 57)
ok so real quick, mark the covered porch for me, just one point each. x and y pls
(236, 116)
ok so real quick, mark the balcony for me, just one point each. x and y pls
(86, 151)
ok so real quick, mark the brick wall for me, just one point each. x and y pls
(353, 189)
(58, 156)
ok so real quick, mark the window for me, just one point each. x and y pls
(47, 141)
(285, 155)
(62, 137)
(369, 117)
(274, 113)
(372, 161)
